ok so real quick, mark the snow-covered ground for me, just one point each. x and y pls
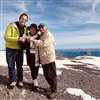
(89, 61)
(79, 92)
(60, 63)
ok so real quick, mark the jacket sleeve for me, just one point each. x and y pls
(10, 35)
(45, 42)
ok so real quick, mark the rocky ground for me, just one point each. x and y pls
(87, 79)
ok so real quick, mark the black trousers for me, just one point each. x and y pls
(50, 75)
(31, 62)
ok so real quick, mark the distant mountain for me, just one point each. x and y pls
(77, 52)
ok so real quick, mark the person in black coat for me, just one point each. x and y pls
(30, 53)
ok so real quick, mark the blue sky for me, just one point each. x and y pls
(74, 23)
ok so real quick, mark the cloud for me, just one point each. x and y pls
(81, 11)
(40, 6)
(95, 2)
(95, 16)
(77, 40)
(18, 6)
(72, 20)
(22, 5)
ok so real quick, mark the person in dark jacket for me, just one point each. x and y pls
(31, 54)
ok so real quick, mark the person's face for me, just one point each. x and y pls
(32, 30)
(42, 29)
(22, 20)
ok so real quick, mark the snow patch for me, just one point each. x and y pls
(79, 92)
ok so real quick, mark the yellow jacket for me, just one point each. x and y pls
(11, 36)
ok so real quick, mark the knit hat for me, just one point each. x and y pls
(33, 25)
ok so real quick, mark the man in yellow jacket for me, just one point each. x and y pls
(14, 38)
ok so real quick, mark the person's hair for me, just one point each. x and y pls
(42, 25)
(23, 14)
